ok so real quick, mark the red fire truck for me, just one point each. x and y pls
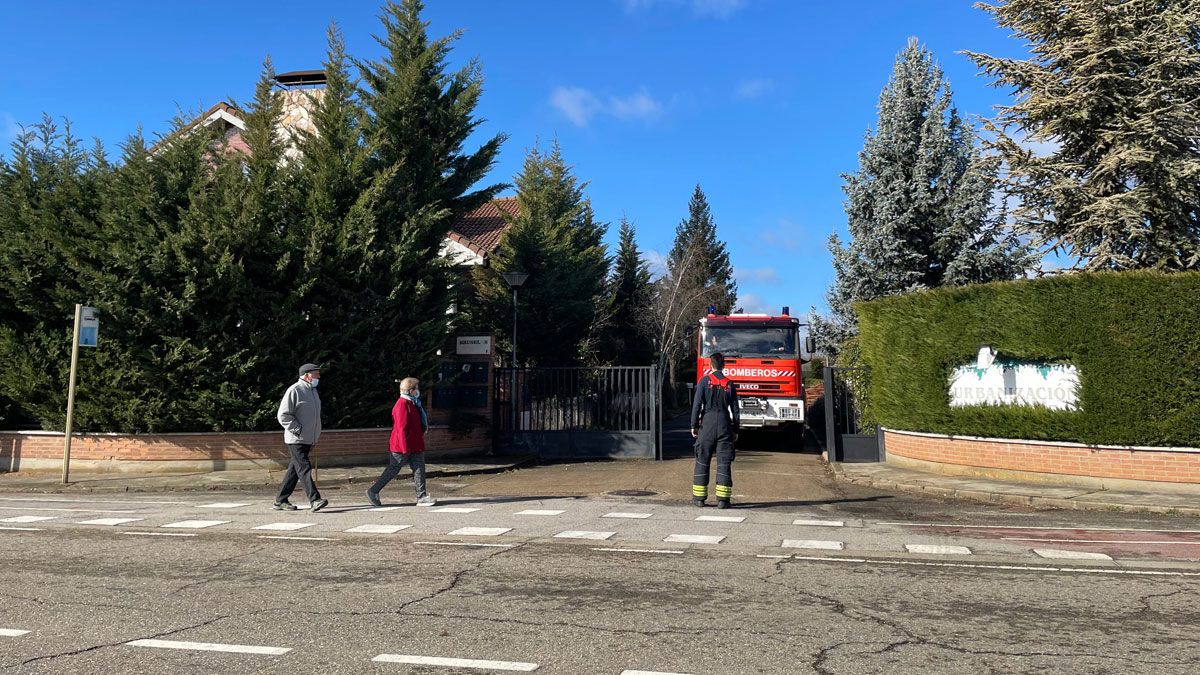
(762, 356)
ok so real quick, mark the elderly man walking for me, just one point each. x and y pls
(407, 443)
(300, 416)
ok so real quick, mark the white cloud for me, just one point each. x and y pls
(720, 9)
(656, 261)
(9, 129)
(759, 274)
(753, 88)
(753, 304)
(580, 105)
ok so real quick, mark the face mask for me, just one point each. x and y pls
(416, 393)
(316, 381)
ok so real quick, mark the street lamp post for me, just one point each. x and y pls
(514, 280)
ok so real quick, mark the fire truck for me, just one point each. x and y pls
(762, 357)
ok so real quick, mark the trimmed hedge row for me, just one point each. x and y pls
(1134, 336)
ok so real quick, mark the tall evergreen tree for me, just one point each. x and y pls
(628, 341)
(1113, 87)
(920, 208)
(554, 238)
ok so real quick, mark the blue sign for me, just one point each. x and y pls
(89, 327)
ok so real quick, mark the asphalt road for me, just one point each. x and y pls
(321, 599)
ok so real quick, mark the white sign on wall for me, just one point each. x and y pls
(474, 344)
(1009, 382)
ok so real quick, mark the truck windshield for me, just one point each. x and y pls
(749, 341)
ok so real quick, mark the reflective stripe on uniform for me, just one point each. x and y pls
(724, 491)
(699, 490)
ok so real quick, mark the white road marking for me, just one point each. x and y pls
(109, 521)
(693, 539)
(160, 534)
(455, 509)
(210, 647)
(286, 527)
(196, 524)
(985, 566)
(12, 632)
(27, 519)
(1041, 527)
(937, 549)
(388, 508)
(1103, 541)
(622, 514)
(280, 536)
(24, 529)
(378, 529)
(814, 543)
(650, 672)
(222, 505)
(819, 523)
(583, 534)
(478, 664)
(481, 531)
(774, 557)
(1071, 555)
(38, 508)
(83, 501)
(462, 543)
(721, 519)
(671, 551)
(540, 512)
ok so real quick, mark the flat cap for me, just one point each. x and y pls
(308, 368)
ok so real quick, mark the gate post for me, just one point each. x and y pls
(831, 430)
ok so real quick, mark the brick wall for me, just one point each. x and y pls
(1177, 465)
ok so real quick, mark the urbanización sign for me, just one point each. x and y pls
(1000, 381)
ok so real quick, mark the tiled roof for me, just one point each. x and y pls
(481, 229)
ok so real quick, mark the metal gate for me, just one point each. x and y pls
(572, 413)
(848, 438)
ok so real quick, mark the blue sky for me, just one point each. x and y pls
(765, 103)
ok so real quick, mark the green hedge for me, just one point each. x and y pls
(1135, 338)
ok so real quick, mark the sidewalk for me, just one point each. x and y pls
(886, 477)
(254, 479)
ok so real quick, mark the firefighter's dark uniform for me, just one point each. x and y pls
(715, 414)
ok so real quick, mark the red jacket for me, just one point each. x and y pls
(407, 435)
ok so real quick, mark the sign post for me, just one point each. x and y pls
(85, 334)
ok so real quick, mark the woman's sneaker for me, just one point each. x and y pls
(426, 501)
(284, 505)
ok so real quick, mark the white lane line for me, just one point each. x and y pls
(650, 672)
(721, 519)
(1040, 527)
(985, 566)
(223, 505)
(814, 543)
(1071, 555)
(196, 524)
(455, 509)
(540, 512)
(38, 508)
(481, 531)
(378, 529)
(773, 557)
(693, 539)
(819, 523)
(669, 551)
(285, 527)
(161, 534)
(83, 501)
(27, 519)
(462, 543)
(937, 549)
(280, 536)
(478, 664)
(387, 508)
(210, 647)
(623, 514)
(109, 521)
(12, 632)
(1103, 541)
(583, 534)
(24, 529)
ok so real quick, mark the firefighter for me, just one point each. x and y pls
(715, 422)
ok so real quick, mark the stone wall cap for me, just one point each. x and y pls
(1060, 444)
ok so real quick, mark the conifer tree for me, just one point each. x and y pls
(627, 338)
(1112, 87)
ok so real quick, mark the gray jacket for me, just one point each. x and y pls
(300, 414)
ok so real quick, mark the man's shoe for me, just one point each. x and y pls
(722, 503)
(373, 498)
(319, 504)
(426, 501)
(699, 501)
(284, 505)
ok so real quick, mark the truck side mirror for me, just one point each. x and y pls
(810, 345)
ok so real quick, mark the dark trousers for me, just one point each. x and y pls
(721, 446)
(396, 462)
(299, 470)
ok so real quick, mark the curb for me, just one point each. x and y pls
(1004, 498)
(272, 480)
